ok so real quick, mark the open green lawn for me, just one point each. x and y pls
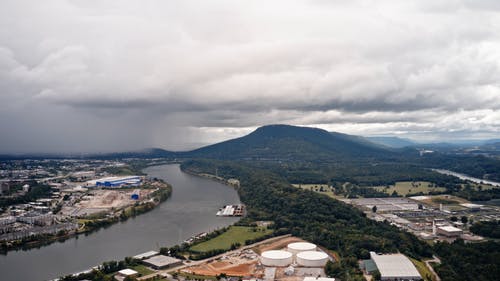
(320, 188)
(142, 269)
(406, 187)
(235, 234)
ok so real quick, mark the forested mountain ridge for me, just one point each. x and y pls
(394, 142)
(285, 142)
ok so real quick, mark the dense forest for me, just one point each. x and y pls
(476, 261)
(475, 166)
(313, 217)
(487, 229)
(37, 190)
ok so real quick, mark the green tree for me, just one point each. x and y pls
(464, 219)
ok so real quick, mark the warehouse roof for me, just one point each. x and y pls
(146, 255)
(161, 261)
(395, 266)
(450, 229)
(128, 272)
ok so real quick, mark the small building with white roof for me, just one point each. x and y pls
(124, 273)
(449, 231)
(146, 255)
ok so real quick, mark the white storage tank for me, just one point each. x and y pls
(301, 247)
(276, 258)
(312, 259)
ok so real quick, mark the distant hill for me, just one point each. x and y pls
(146, 153)
(291, 143)
(394, 142)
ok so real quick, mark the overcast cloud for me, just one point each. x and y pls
(98, 75)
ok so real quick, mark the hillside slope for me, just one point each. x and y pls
(286, 142)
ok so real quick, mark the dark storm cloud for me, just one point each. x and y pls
(102, 75)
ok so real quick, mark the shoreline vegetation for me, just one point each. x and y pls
(90, 225)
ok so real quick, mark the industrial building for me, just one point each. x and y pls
(276, 258)
(449, 231)
(395, 267)
(312, 259)
(388, 204)
(118, 181)
(472, 207)
(146, 255)
(124, 273)
(162, 262)
(135, 194)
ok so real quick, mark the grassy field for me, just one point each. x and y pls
(235, 234)
(320, 188)
(406, 187)
(477, 186)
(422, 269)
(143, 270)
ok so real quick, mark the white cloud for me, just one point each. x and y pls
(219, 68)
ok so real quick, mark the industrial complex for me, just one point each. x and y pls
(427, 216)
(286, 258)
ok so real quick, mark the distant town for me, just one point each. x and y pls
(45, 199)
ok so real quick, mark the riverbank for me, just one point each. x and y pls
(86, 226)
(466, 177)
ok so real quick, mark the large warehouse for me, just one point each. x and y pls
(395, 267)
(276, 258)
(118, 181)
(162, 262)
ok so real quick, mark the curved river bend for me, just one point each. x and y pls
(190, 210)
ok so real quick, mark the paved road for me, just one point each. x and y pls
(429, 266)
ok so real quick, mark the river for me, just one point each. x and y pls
(190, 210)
(466, 177)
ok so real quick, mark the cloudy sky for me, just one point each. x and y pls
(99, 75)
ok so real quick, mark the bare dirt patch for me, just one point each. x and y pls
(277, 245)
